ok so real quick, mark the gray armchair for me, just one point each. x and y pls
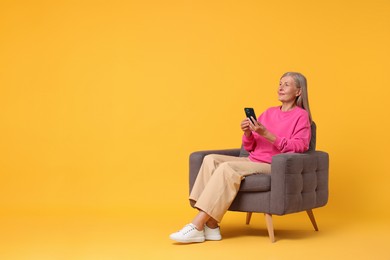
(298, 182)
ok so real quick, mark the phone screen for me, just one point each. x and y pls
(250, 112)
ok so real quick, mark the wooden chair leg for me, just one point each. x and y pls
(248, 217)
(312, 219)
(270, 227)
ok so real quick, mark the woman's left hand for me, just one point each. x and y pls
(261, 130)
(257, 127)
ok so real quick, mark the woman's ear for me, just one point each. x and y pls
(299, 92)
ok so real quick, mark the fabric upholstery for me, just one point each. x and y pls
(298, 182)
(256, 183)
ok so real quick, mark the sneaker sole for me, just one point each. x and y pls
(213, 238)
(193, 240)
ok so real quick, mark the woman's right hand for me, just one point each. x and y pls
(245, 127)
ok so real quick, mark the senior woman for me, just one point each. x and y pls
(280, 129)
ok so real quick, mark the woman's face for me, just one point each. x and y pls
(288, 91)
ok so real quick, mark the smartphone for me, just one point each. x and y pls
(250, 112)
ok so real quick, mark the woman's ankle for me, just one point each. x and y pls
(198, 227)
(212, 224)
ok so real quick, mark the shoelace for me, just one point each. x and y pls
(188, 228)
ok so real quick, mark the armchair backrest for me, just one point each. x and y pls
(312, 145)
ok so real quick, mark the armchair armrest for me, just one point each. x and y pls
(299, 182)
(196, 159)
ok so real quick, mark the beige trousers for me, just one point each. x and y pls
(219, 180)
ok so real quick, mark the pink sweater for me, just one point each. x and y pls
(292, 131)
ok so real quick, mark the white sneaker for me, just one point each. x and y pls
(188, 234)
(212, 233)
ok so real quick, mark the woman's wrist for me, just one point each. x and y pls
(269, 136)
(248, 133)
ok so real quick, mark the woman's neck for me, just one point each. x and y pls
(288, 106)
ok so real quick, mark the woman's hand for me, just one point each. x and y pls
(261, 130)
(256, 127)
(245, 127)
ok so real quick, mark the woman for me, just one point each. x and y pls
(281, 129)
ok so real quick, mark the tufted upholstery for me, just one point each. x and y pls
(298, 182)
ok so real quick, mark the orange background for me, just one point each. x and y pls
(102, 102)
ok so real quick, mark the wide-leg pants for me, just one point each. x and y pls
(219, 180)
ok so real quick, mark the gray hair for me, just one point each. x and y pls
(301, 82)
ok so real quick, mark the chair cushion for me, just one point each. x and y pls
(256, 183)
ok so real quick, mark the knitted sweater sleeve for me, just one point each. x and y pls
(299, 141)
(249, 143)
